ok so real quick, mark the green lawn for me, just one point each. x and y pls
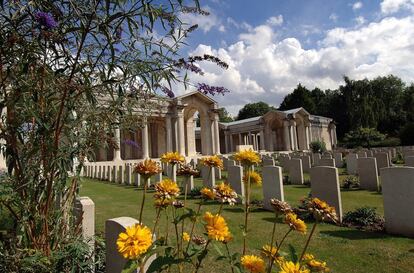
(344, 249)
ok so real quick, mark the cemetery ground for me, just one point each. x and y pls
(344, 249)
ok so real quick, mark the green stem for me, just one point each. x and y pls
(192, 227)
(143, 200)
(283, 239)
(246, 210)
(156, 219)
(271, 245)
(308, 241)
(228, 254)
(199, 263)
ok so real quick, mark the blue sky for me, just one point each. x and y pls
(272, 45)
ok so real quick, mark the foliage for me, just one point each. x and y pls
(318, 146)
(71, 73)
(74, 256)
(256, 109)
(383, 103)
(364, 218)
(399, 159)
(350, 182)
(224, 116)
(363, 137)
(407, 134)
(387, 142)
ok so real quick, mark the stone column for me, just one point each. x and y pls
(181, 137)
(231, 143)
(168, 133)
(175, 134)
(293, 135)
(249, 139)
(145, 144)
(262, 142)
(307, 137)
(216, 134)
(240, 139)
(287, 137)
(117, 151)
(226, 141)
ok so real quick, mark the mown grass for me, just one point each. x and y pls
(344, 249)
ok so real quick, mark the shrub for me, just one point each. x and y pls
(195, 192)
(399, 159)
(318, 146)
(364, 218)
(407, 134)
(351, 182)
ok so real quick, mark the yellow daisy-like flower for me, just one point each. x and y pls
(147, 168)
(247, 157)
(162, 202)
(294, 223)
(186, 237)
(212, 161)
(272, 252)
(134, 242)
(317, 266)
(207, 193)
(216, 227)
(253, 264)
(255, 178)
(224, 193)
(172, 158)
(308, 257)
(166, 189)
(321, 210)
(290, 267)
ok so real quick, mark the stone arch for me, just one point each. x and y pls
(274, 127)
(204, 107)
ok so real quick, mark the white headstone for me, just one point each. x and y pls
(325, 186)
(398, 191)
(368, 176)
(327, 162)
(383, 160)
(306, 163)
(351, 163)
(272, 185)
(235, 178)
(296, 171)
(209, 177)
(409, 161)
(338, 160)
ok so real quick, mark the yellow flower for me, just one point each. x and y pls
(186, 237)
(216, 227)
(290, 267)
(308, 257)
(134, 241)
(172, 158)
(212, 161)
(206, 193)
(147, 168)
(166, 189)
(224, 193)
(253, 264)
(247, 157)
(317, 266)
(321, 210)
(255, 178)
(162, 202)
(272, 252)
(294, 223)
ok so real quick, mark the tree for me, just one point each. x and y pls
(363, 137)
(70, 73)
(300, 97)
(256, 109)
(224, 116)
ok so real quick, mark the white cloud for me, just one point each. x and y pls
(357, 5)
(204, 22)
(263, 67)
(360, 20)
(333, 17)
(275, 20)
(392, 6)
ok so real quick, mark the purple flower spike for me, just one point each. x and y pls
(46, 20)
(132, 143)
(212, 90)
(167, 91)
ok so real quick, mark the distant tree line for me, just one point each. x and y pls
(384, 104)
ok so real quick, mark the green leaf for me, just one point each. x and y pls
(293, 254)
(218, 250)
(130, 266)
(159, 263)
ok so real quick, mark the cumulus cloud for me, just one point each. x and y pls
(204, 22)
(264, 67)
(357, 5)
(275, 20)
(392, 6)
(333, 17)
(360, 20)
